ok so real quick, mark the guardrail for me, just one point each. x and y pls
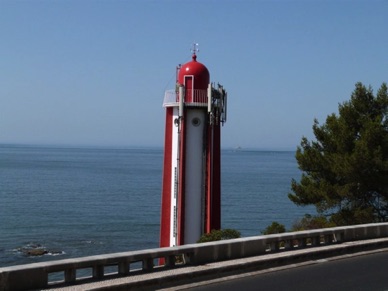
(69, 271)
(193, 98)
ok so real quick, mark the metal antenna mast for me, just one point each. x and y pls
(195, 48)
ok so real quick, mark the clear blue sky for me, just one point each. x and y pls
(94, 72)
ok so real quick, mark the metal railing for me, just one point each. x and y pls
(193, 98)
(69, 271)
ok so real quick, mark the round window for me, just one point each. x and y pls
(196, 121)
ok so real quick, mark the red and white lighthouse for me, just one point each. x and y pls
(191, 191)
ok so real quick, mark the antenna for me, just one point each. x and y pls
(195, 48)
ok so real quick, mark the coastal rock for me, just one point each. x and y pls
(35, 252)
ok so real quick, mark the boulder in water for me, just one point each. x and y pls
(35, 252)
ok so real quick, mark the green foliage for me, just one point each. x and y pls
(220, 234)
(345, 170)
(312, 222)
(273, 228)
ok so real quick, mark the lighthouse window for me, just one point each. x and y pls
(196, 121)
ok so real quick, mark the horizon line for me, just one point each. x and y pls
(138, 146)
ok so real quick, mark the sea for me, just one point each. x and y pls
(82, 201)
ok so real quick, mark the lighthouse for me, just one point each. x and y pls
(191, 190)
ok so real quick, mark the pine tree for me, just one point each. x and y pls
(345, 170)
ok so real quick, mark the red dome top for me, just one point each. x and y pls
(198, 71)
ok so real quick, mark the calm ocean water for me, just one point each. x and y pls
(86, 201)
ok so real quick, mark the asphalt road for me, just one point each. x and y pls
(365, 272)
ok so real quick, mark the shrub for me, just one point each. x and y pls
(220, 234)
(273, 228)
(312, 222)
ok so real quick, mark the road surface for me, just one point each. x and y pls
(364, 272)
